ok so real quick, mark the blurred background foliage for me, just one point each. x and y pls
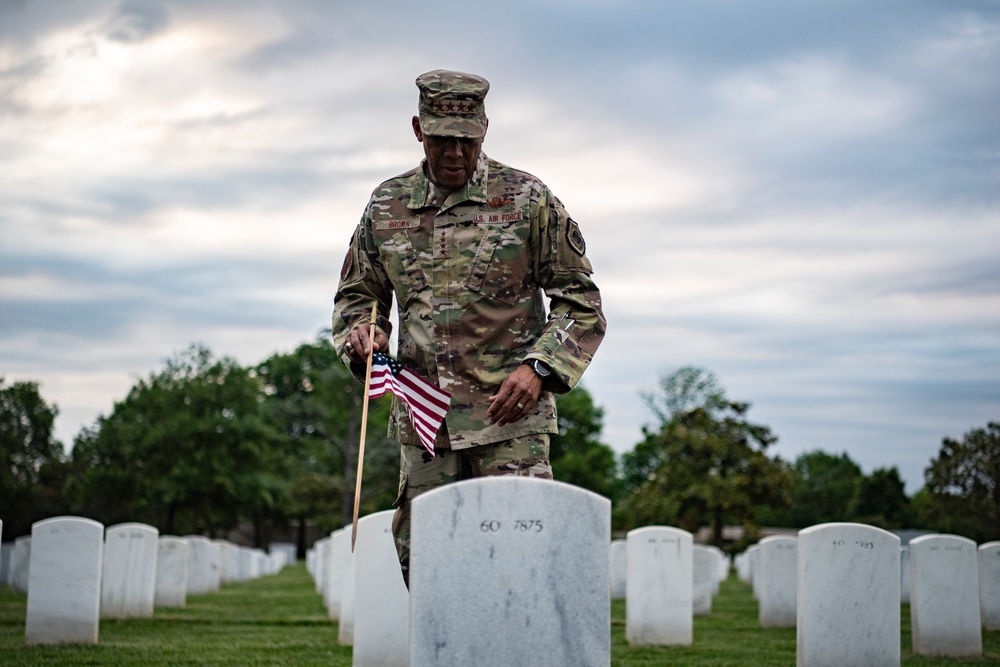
(207, 446)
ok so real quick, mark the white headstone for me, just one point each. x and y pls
(214, 566)
(904, 574)
(989, 585)
(171, 572)
(286, 548)
(848, 609)
(319, 566)
(228, 561)
(246, 563)
(337, 557)
(345, 624)
(6, 554)
(742, 563)
(128, 580)
(618, 558)
(20, 564)
(778, 563)
(722, 563)
(200, 552)
(659, 603)
(64, 591)
(705, 569)
(944, 596)
(524, 557)
(381, 601)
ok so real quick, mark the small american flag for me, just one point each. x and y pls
(426, 403)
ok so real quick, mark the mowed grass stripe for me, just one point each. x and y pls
(280, 620)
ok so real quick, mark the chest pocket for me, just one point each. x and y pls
(499, 268)
(399, 256)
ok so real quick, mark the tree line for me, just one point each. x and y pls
(205, 445)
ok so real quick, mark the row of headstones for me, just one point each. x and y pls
(514, 553)
(508, 554)
(952, 587)
(364, 591)
(75, 573)
(709, 568)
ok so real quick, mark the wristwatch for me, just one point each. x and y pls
(541, 370)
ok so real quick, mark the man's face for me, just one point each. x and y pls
(450, 160)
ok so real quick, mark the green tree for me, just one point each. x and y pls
(826, 488)
(713, 465)
(188, 450)
(33, 466)
(963, 482)
(881, 500)
(578, 456)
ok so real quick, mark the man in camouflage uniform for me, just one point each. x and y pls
(468, 246)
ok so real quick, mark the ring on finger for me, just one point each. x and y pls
(349, 347)
(520, 406)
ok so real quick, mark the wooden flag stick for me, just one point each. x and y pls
(364, 425)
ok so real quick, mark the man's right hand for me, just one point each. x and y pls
(359, 341)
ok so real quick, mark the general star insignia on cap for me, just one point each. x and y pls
(451, 104)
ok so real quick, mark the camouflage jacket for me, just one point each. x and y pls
(468, 277)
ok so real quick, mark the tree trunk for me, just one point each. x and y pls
(718, 520)
(300, 548)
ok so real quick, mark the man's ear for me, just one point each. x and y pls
(417, 132)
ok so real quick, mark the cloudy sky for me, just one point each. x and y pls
(803, 198)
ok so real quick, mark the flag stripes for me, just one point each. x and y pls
(426, 403)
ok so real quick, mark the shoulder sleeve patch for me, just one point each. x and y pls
(575, 238)
(348, 262)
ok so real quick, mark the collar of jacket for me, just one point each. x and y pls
(473, 190)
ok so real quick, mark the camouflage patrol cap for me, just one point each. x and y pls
(451, 104)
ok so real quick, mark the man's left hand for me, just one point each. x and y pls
(517, 396)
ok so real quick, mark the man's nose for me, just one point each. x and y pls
(453, 148)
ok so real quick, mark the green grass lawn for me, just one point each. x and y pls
(280, 620)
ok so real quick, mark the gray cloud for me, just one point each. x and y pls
(830, 253)
(137, 20)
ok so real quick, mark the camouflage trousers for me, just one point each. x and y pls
(527, 456)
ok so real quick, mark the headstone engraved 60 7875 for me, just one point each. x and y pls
(64, 591)
(848, 604)
(659, 601)
(944, 596)
(510, 571)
